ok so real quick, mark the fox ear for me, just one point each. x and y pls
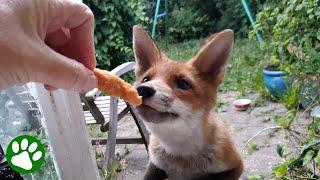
(145, 50)
(211, 60)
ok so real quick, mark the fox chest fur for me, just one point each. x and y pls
(188, 141)
(187, 155)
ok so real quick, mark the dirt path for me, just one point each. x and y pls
(243, 125)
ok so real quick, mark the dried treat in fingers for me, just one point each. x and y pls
(115, 86)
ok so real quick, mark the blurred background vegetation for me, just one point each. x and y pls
(188, 19)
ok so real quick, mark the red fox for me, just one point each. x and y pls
(188, 141)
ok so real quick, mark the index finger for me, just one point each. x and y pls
(79, 19)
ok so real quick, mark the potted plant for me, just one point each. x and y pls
(274, 78)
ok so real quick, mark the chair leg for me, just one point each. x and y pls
(105, 127)
(142, 128)
(112, 133)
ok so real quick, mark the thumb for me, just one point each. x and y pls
(63, 72)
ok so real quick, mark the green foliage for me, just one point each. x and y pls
(286, 119)
(280, 170)
(280, 150)
(189, 19)
(290, 98)
(244, 70)
(94, 131)
(180, 51)
(219, 105)
(187, 24)
(113, 32)
(252, 147)
(291, 29)
(314, 128)
(256, 177)
(318, 159)
(113, 168)
(233, 15)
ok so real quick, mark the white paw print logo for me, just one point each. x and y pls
(25, 154)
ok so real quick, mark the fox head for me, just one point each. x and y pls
(176, 93)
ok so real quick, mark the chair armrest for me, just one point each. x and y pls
(92, 95)
(118, 71)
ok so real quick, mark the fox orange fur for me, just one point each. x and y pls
(188, 140)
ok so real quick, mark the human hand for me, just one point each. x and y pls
(47, 41)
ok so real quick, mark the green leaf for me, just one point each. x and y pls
(280, 170)
(252, 147)
(317, 11)
(318, 159)
(255, 177)
(280, 150)
(307, 158)
(315, 144)
(284, 122)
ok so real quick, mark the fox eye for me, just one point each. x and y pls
(145, 79)
(183, 84)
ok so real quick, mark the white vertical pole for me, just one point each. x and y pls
(68, 135)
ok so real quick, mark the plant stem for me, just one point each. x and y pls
(273, 127)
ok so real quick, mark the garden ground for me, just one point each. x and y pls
(259, 154)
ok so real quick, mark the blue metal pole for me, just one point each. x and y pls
(166, 23)
(250, 16)
(155, 19)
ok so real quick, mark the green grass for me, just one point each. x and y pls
(244, 72)
(180, 51)
(94, 131)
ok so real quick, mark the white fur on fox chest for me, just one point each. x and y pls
(198, 164)
(183, 135)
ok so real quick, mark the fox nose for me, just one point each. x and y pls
(146, 91)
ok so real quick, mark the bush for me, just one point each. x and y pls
(291, 29)
(113, 32)
(209, 16)
(187, 24)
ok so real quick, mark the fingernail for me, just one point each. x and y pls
(91, 83)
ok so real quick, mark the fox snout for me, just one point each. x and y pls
(145, 91)
(154, 97)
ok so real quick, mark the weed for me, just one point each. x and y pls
(126, 149)
(94, 131)
(252, 147)
(219, 106)
(256, 177)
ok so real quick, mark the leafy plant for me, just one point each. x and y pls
(291, 29)
(187, 24)
(204, 17)
(252, 147)
(292, 32)
(280, 150)
(113, 168)
(113, 34)
(244, 69)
